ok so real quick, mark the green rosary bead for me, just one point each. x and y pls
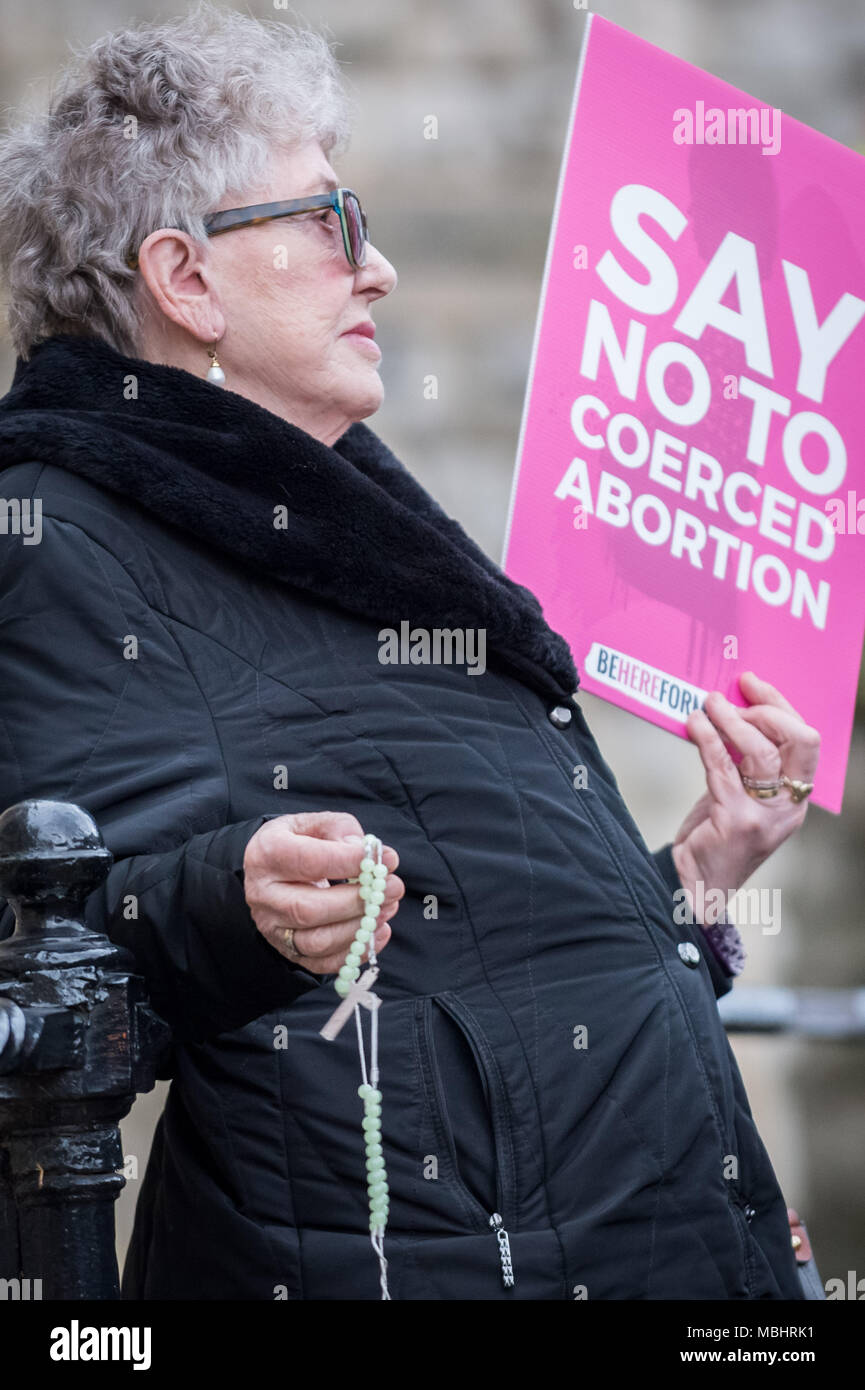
(371, 890)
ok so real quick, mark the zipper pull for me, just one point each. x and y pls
(504, 1250)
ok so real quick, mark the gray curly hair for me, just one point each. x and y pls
(150, 127)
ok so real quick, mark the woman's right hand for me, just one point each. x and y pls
(286, 868)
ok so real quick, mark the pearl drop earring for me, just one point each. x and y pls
(214, 371)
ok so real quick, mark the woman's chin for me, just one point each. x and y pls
(366, 399)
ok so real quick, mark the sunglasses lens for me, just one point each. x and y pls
(356, 223)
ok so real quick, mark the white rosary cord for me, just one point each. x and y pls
(357, 1020)
(377, 1235)
(355, 989)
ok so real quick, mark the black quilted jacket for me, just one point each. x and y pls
(533, 907)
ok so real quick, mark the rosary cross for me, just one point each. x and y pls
(360, 993)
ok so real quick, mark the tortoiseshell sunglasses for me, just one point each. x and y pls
(345, 203)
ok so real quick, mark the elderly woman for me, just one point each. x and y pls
(193, 652)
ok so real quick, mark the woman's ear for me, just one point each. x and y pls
(174, 268)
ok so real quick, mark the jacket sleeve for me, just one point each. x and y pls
(722, 978)
(98, 706)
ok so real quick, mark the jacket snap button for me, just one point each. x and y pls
(561, 716)
(688, 953)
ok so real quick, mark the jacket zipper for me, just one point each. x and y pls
(744, 1215)
(743, 1206)
(504, 1250)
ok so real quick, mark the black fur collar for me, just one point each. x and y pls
(361, 530)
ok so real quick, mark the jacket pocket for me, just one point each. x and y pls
(466, 1103)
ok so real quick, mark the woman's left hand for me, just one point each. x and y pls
(729, 833)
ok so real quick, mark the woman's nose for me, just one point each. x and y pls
(378, 270)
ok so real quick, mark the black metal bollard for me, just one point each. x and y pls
(77, 1042)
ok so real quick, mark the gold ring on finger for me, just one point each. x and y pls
(764, 787)
(798, 790)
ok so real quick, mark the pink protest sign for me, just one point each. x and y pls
(689, 499)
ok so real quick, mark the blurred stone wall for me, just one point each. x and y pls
(465, 219)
